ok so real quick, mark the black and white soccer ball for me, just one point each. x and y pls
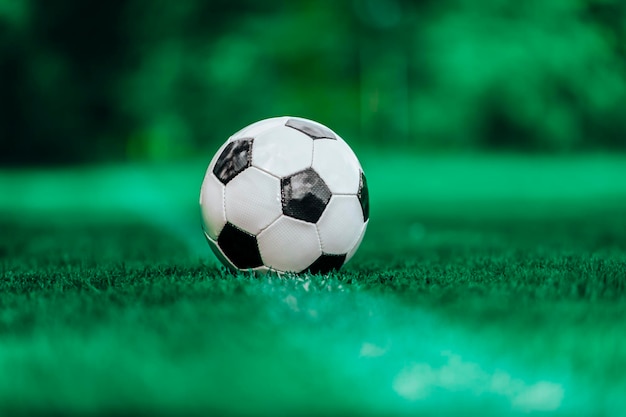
(285, 194)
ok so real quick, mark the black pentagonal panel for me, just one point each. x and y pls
(364, 197)
(327, 263)
(235, 157)
(305, 195)
(240, 247)
(214, 247)
(313, 130)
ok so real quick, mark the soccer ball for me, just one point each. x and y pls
(284, 194)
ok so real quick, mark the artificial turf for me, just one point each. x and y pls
(505, 298)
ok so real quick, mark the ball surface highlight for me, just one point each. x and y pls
(285, 194)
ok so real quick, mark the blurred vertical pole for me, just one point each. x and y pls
(384, 73)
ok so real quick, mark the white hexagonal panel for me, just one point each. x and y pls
(212, 205)
(282, 151)
(256, 128)
(253, 200)
(337, 165)
(357, 243)
(340, 225)
(289, 245)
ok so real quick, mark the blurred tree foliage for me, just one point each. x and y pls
(156, 79)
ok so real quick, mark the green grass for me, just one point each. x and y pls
(496, 301)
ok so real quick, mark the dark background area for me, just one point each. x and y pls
(155, 80)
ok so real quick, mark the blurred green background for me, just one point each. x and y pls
(159, 80)
(491, 279)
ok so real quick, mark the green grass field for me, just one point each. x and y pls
(491, 285)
